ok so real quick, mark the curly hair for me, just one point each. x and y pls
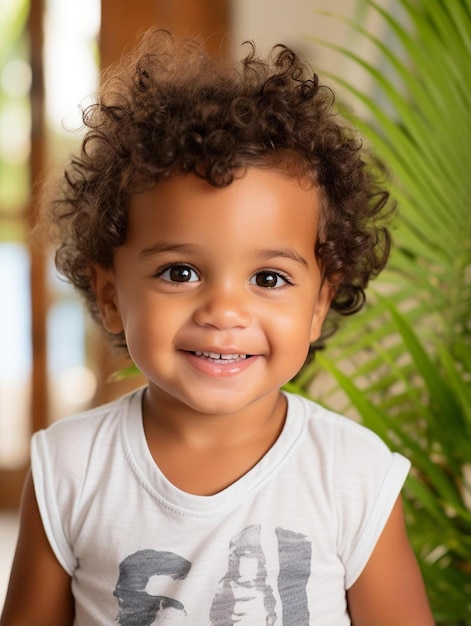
(168, 108)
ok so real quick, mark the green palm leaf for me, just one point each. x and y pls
(403, 365)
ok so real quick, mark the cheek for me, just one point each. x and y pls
(151, 320)
(296, 320)
(292, 333)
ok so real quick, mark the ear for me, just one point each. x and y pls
(326, 293)
(104, 286)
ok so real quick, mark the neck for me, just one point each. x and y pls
(203, 454)
(166, 417)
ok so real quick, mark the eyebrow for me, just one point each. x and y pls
(265, 254)
(286, 253)
(158, 248)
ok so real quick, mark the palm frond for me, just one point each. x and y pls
(403, 366)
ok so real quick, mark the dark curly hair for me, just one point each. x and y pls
(168, 108)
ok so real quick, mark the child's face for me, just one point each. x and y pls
(218, 291)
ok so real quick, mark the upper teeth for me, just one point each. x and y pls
(216, 355)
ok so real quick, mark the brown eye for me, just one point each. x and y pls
(179, 274)
(269, 280)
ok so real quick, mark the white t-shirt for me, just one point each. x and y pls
(279, 546)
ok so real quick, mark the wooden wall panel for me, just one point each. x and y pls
(122, 21)
(39, 399)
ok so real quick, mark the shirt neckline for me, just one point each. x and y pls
(156, 483)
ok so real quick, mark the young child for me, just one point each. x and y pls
(213, 219)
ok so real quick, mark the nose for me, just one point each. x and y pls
(223, 308)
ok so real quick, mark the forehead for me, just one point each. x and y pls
(262, 201)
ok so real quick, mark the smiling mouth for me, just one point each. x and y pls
(216, 357)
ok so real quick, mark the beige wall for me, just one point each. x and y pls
(297, 22)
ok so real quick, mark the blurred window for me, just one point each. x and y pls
(70, 61)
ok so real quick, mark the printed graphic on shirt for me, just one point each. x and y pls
(295, 568)
(243, 596)
(140, 576)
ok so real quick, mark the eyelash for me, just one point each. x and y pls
(267, 272)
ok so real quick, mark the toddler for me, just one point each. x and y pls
(217, 220)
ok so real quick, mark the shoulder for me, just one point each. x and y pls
(358, 468)
(81, 445)
(342, 435)
(362, 477)
(69, 462)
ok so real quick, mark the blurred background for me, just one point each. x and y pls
(52, 360)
